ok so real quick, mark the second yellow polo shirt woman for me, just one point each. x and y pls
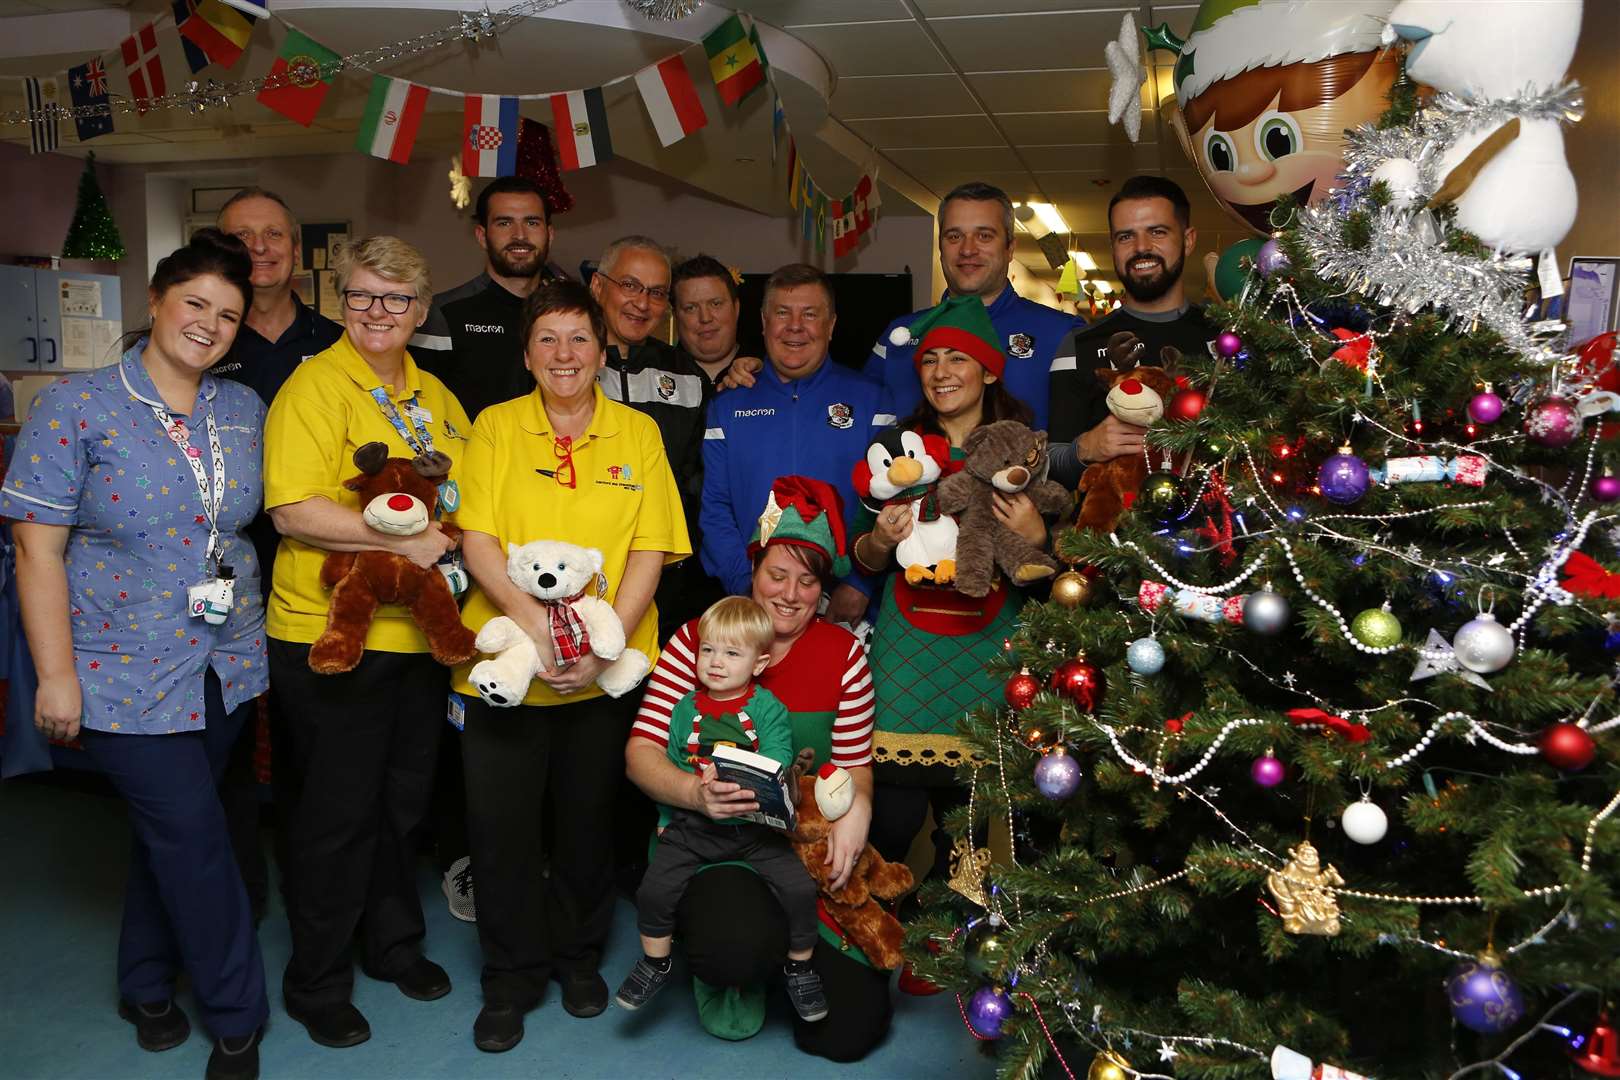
(566, 464)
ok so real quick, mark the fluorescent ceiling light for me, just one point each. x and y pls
(1049, 216)
(1102, 287)
(1082, 260)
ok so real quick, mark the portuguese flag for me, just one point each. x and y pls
(305, 69)
(734, 61)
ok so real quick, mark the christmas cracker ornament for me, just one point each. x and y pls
(1470, 469)
(1153, 596)
(1289, 1064)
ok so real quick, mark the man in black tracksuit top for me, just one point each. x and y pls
(1151, 234)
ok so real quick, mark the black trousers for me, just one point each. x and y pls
(898, 813)
(364, 744)
(542, 912)
(736, 934)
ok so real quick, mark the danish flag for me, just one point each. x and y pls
(144, 65)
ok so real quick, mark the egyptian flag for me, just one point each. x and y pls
(489, 136)
(671, 100)
(220, 32)
(580, 121)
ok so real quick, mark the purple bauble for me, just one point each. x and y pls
(1485, 408)
(1228, 344)
(987, 1010)
(1271, 259)
(1057, 775)
(1483, 997)
(1343, 478)
(1606, 489)
(1266, 771)
(1552, 422)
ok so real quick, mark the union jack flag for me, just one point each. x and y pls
(97, 74)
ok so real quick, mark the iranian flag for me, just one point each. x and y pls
(299, 79)
(671, 100)
(580, 122)
(489, 135)
(393, 113)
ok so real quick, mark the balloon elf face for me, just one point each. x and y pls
(1266, 92)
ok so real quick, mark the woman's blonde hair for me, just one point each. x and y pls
(385, 256)
(737, 620)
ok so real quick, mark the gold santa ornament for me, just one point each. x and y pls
(1303, 890)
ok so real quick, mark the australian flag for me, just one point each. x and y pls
(87, 83)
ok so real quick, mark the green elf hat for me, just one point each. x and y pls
(808, 512)
(960, 323)
(1230, 37)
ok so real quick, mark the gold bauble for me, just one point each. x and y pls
(1072, 589)
(1108, 1066)
(1036, 737)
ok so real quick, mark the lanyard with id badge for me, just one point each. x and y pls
(211, 599)
(420, 440)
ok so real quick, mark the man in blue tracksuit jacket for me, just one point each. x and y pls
(975, 248)
(804, 415)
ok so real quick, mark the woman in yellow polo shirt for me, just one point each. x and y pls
(361, 744)
(566, 464)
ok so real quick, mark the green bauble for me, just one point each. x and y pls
(1376, 628)
(1161, 496)
(1229, 272)
(985, 951)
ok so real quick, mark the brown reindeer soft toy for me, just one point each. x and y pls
(1137, 396)
(397, 497)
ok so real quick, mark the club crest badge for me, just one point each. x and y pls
(840, 416)
(666, 386)
(1021, 346)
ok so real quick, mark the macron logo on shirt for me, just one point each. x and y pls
(738, 414)
(485, 328)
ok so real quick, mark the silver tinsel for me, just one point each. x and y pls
(665, 10)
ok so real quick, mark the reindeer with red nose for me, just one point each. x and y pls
(398, 497)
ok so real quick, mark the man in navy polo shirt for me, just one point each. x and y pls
(975, 249)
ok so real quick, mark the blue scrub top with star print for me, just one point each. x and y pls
(93, 457)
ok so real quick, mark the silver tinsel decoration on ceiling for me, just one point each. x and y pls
(665, 10)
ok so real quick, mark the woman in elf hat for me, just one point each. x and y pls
(931, 644)
(730, 925)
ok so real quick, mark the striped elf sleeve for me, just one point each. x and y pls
(852, 731)
(672, 678)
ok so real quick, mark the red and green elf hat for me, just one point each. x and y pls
(960, 323)
(804, 511)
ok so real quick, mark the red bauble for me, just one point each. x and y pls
(1185, 405)
(1021, 690)
(1081, 682)
(1567, 746)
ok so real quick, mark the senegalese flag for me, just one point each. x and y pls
(821, 223)
(219, 31)
(393, 114)
(733, 61)
(304, 69)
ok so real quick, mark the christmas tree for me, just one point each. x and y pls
(1310, 763)
(94, 233)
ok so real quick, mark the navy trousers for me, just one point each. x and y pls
(184, 904)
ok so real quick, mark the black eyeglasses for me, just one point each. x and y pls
(395, 303)
(632, 287)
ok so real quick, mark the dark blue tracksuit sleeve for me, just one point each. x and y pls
(724, 548)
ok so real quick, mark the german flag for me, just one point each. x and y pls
(734, 61)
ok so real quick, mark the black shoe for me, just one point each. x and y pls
(644, 980)
(584, 994)
(498, 1028)
(423, 980)
(159, 1025)
(334, 1025)
(804, 990)
(234, 1058)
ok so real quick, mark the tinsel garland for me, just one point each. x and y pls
(1404, 263)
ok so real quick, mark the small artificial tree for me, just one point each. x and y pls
(94, 233)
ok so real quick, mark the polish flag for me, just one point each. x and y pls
(671, 99)
(580, 123)
(489, 134)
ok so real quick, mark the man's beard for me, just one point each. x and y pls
(506, 267)
(1147, 291)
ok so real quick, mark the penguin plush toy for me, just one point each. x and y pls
(903, 468)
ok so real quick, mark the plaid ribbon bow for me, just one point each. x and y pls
(569, 639)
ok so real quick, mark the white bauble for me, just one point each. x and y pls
(1483, 645)
(1402, 177)
(1364, 822)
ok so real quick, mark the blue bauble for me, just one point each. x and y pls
(987, 1010)
(1057, 775)
(1271, 259)
(1611, 643)
(1145, 656)
(1343, 478)
(1483, 997)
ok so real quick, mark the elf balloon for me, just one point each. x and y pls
(1517, 193)
(1266, 89)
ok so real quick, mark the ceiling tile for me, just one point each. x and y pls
(793, 13)
(1035, 128)
(955, 161)
(970, 130)
(1028, 42)
(1113, 159)
(946, 8)
(885, 48)
(1033, 91)
(1179, 16)
(873, 96)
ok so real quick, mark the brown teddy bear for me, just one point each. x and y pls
(397, 497)
(868, 924)
(1005, 456)
(1137, 396)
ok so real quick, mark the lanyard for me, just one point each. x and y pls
(213, 495)
(422, 441)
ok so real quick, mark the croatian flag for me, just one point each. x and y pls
(489, 136)
(580, 121)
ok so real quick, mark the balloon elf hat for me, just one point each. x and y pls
(807, 512)
(959, 323)
(1230, 37)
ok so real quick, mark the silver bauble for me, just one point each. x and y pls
(1483, 645)
(1265, 612)
(1145, 656)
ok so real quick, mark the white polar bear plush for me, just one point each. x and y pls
(1523, 200)
(561, 577)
